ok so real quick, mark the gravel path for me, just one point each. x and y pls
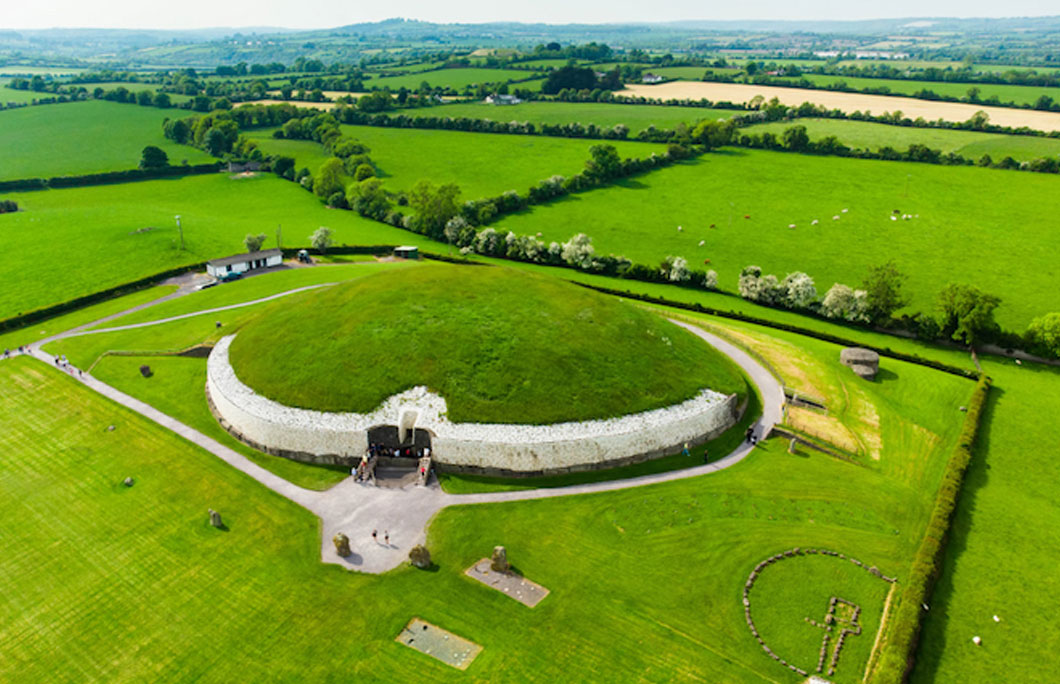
(357, 509)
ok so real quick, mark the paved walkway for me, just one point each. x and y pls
(357, 509)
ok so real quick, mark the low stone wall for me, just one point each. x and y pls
(498, 449)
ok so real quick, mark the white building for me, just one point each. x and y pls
(502, 99)
(241, 263)
(651, 78)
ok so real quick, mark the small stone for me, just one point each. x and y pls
(342, 545)
(128, 482)
(215, 518)
(997, 619)
(420, 557)
(499, 560)
(145, 371)
(110, 428)
(976, 640)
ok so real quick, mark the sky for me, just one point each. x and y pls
(20, 14)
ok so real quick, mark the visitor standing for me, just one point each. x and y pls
(375, 536)
(386, 537)
(749, 435)
(706, 458)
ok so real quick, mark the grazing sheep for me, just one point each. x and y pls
(845, 210)
(836, 217)
(791, 225)
(702, 242)
(679, 229)
(894, 218)
(813, 222)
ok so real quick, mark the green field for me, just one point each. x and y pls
(96, 228)
(8, 95)
(1006, 93)
(482, 164)
(84, 137)
(457, 79)
(636, 117)
(1006, 215)
(507, 347)
(720, 525)
(872, 136)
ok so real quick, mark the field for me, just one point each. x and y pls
(50, 140)
(9, 95)
(102, 229)
(1019, 94)
(482, 164)
(847, 102)
(968, 144)
(956, 207)
(457, 79)
(721, 525)
(636, 117)
(506, 348)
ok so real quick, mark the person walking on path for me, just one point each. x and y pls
(750, 434)
(375, 536)
(706, 457)
(386, 537)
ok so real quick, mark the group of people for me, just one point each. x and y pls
(21, 350)
(396, 452)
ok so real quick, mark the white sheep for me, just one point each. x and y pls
(836, 217)
(791, 225)
(679, 229)
(813, 222)
(845, 210)
(702, 242)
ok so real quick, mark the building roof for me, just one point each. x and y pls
(240, 258)
(405, 248)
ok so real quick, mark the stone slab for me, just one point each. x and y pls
(515, 586)
(438, 643)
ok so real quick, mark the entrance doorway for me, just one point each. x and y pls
(387, 438)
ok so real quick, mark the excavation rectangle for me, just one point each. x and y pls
(438, 643)
(519, 588)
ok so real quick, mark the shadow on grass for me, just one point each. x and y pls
(885, 375)
(934, 628)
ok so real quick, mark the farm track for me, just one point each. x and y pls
(358, 509)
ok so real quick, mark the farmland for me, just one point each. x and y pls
(872, 136)
(118, 233)
(636, 117)
(482, 164)
(847, 102)
(638, 218)
(456, 79)
(49, 140)
(1021, 95)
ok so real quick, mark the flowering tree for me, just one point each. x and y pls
(799, 292)
(579, 251)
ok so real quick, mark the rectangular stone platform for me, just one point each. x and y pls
(517, 587)
(438, 643)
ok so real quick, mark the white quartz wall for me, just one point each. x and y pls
(519, 448)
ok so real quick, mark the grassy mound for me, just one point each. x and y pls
(499, 345)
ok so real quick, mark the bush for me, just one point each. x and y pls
(8, 206)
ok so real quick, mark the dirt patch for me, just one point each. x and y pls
(325, 106)
(823, 427)
(847, 102)
(438, 643)
(515, 586)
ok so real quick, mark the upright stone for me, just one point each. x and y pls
(128, 482)
(215, 519)
(342, 544)
(499, 560)
(420, 557)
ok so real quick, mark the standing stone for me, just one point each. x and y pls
(791, 445)
(215, 519)
(145, 371)
(342, 544)
(128, 482)
(499, 560)
(420, 557)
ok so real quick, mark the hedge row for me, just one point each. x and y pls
(108, 177)
(899, 649)
(30, 317)
(825, 337)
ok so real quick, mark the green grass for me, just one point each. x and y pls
(969, 144)
(636, 117)
(482, 164)
(20, 96)
(977, 226)
(506, 347)
(449, 78)
(1006, 93)
(84, 137)
(190, 596)
(95, 228)
(176, 388)
(78, 317)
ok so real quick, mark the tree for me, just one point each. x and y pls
(454, 227)
(675, 269)
(979, 120)
(713, 134)
(883, 292)
(434, 207)
(604, 164)
(845, 303)
(579, 251)
(321, 239)
(328, 180)
(967, 312)
(153, 158)
(570, 76)
(215, 142)
(1044, 334)
(799, 291)
(363, 171)
(369, 199)
(796, 138)
(253, 243)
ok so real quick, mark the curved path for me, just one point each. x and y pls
(357, 509)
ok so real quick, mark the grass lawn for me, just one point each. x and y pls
(84, 137)
(96, 228)
(482, 164)
(176, 388)
(52, 326)
(20, 96)
(975, 225)
(970, 144)
(636, 117)
(456, 79)
(190, 596)
(507, 347)
(1018, 94)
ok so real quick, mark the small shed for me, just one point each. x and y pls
(407, 252)
(241, 263)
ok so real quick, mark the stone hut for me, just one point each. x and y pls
(864, 362)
